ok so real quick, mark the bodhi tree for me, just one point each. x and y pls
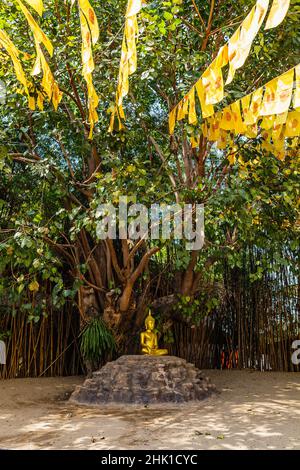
(59, 161)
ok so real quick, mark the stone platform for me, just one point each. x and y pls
(143, 380)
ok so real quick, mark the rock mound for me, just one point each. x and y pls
(143, 380)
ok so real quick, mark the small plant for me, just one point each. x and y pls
(96, 340)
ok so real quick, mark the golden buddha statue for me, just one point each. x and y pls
(149, 342)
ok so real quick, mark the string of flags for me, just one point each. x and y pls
(210, 87)
(266, 111)
(271, 102)
(128, 63)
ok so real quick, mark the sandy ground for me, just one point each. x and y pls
(253, 411)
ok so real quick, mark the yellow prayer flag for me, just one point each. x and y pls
(207, 109)
(267, 122)
(284, 92)
(194, 142)
(39, 35)
(276, 132)
(240, 43)
(233, 45)
(227, 121)
(89, 14)
(212, 78)
(292, 127)
(48, 83)
(182, 108)
(90, 34)
(13, 52)
(280, 118)
(239, 126)
(255, 107)
(133, 7)
(277, 13)
(192, 107)
(269, 99)
(222, 141)
(40, 101)
(31, 103)
(245, 106)
(172, 120)
(128, 62)
(261, 9)
(37, 5)
(278, 94)
(214, 127)
(57, 96)
(251, 131)
(204, 129)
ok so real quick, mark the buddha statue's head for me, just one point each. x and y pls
(150, 322)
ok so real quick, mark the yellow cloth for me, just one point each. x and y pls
(194, 142)
(128, 62)
(90, 35)
(172, 120)
(212, 78)
(255, 107)
(284, 92)
(292, 127)
(39, 35)
(239, 126)
(278, 94)
(240, 43)
(13, 52)
(214, 127)
(48, 82)
(277, 13)
(227, 121)
(207, 109)
(222, 141)
(268, 122)
(192, 107)
(37, 5)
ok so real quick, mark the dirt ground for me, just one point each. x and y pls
(253, 410)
